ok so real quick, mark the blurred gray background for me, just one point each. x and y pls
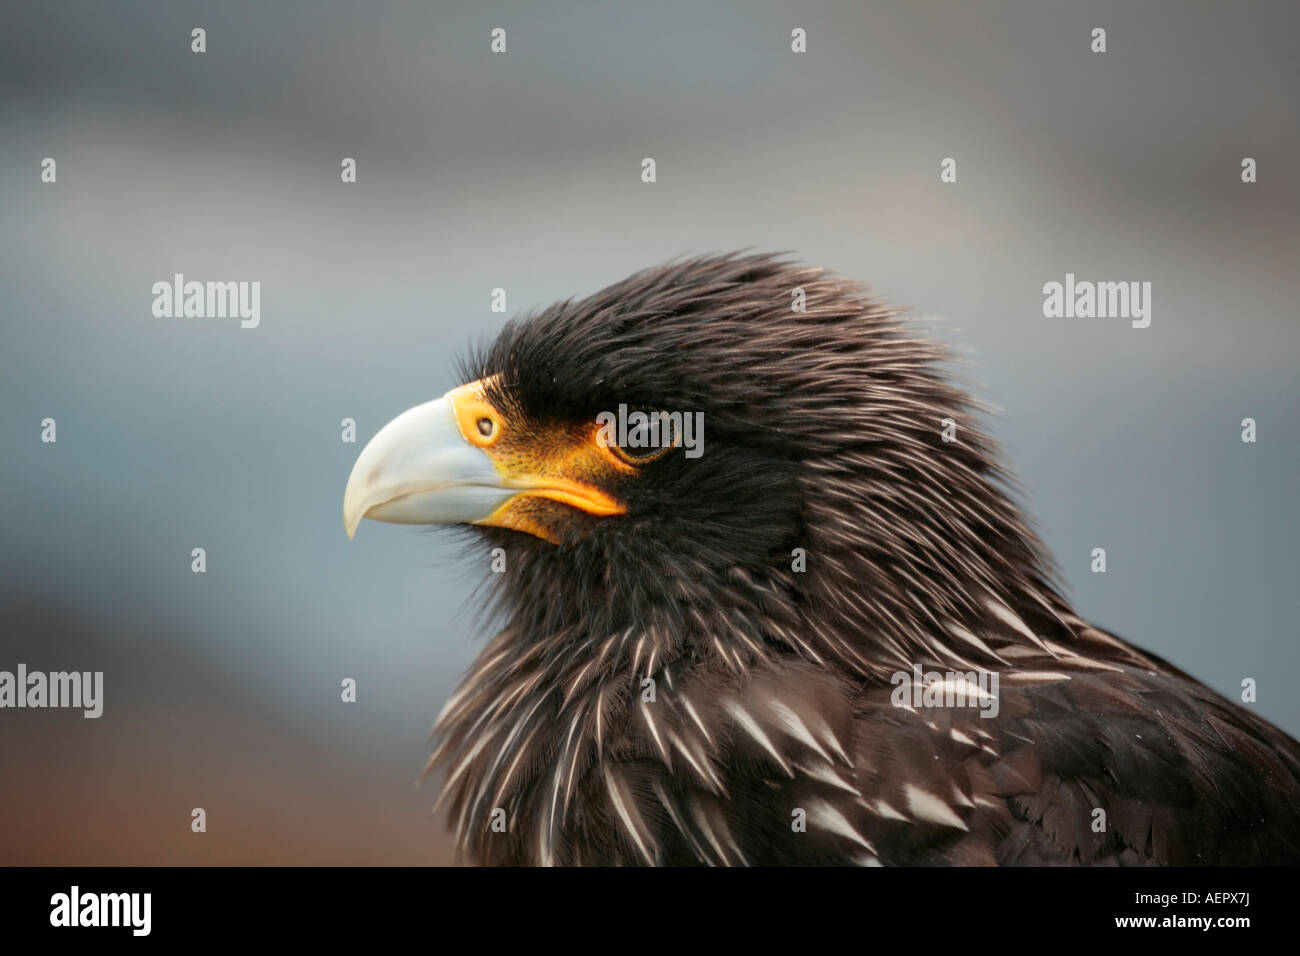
(522, 170)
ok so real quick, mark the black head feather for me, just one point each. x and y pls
(823, 431)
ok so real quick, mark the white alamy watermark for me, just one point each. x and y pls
(208, 300)
(75, 908)
(652, 430)
(920, 689)
(75, 689)
(1073, 299)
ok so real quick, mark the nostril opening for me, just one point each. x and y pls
(486, 426)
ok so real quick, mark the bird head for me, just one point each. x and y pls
(796, 413)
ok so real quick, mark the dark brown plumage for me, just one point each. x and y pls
(775, 734)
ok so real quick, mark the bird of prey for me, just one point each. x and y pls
(824, 634)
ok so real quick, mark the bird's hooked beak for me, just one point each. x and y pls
(456, 460)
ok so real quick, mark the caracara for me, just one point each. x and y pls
(803, 622)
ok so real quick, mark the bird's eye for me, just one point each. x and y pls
(486, 426)
(642, 435)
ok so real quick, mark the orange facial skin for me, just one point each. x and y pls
(569, 466)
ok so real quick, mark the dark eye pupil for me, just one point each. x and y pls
(639, 453)
(485, 427)
(646, 440)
